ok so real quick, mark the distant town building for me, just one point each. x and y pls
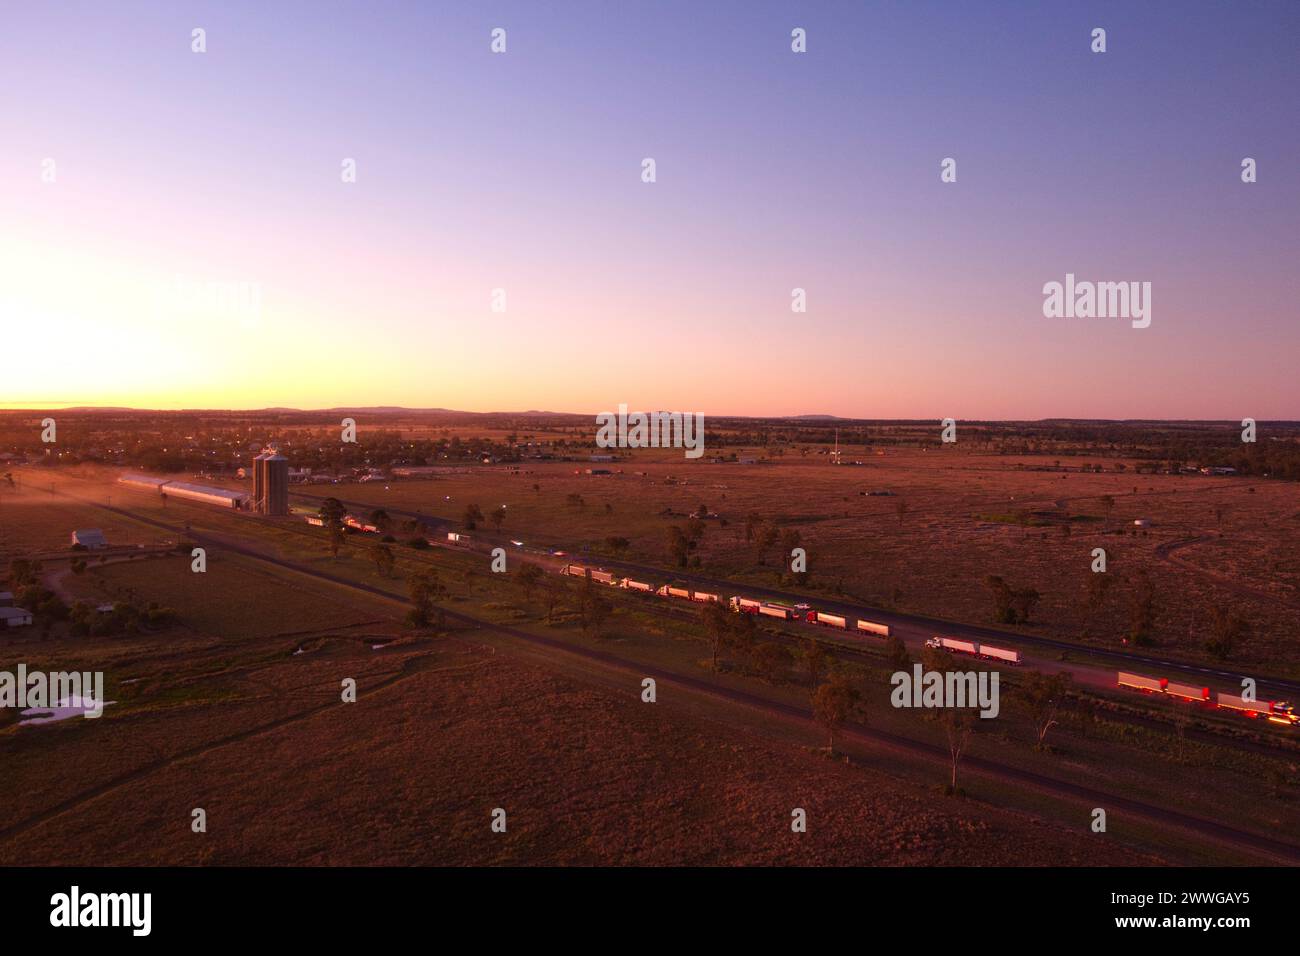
(6, 598)
(90, 538)
(601, 458)
(15, 617)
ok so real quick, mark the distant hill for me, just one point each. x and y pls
(816, 418)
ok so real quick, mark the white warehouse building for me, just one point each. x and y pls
(142, 481)
(207, 494)
(225, 497)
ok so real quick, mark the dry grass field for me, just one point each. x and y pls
(230, 600)
(965, 516)
(438, 739)
(235, 706)
(35, 521)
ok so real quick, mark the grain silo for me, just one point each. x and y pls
(259, 480)
(275, 484)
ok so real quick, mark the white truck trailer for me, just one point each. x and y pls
(871, 627)
(1187, 691)
(828, 620)
(954, 646)
(999, 654)
(1152, 685)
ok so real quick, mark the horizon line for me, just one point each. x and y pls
(397, 409)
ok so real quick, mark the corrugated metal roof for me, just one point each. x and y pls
(225, 493)
(149, 480)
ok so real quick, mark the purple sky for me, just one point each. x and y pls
(776, 170)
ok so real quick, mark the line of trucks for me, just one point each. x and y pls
(740, 605)
(804, 613)
(1274, 711)
(1278, 712)
(349, 521)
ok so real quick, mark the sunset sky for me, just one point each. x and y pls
(776, 170)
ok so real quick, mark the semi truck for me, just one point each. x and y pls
(1277, 711)
(871, 627)
(953, 645)
(1274, 711)
(669, 591)
(975, 649)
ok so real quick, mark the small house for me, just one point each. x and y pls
(14, 617)
(89, 538)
